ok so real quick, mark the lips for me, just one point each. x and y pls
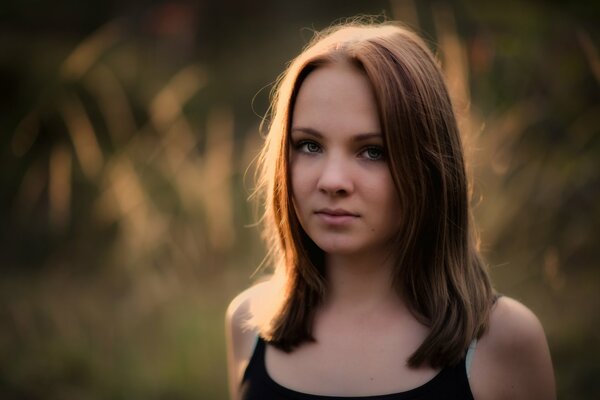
(338, 212)
(337, 216)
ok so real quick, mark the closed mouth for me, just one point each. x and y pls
(338, 212)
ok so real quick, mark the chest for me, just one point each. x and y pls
(349, 364)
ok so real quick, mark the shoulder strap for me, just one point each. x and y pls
(473, 345)
(256, 340)
(256, 359)
(469, 357)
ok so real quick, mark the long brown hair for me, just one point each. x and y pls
(438, 270)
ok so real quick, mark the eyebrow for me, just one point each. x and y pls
(357, 138)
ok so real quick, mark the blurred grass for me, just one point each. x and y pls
(124, 181)
(73, 337)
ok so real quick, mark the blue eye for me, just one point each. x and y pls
(373, 153)
(307, 146)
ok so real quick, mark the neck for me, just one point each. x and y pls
(360, 283)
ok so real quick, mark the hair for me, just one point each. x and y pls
(438, 271)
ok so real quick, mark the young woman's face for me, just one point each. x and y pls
(343, 191)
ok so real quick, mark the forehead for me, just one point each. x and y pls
(336, 98)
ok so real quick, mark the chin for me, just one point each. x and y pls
(349, 245)
(338, 246)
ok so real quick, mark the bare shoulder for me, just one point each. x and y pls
(514, 326)
(240, 337)
(238, 310)
(237, 317)
(512, 360)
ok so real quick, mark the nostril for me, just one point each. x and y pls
(334, 190)
(334, 178)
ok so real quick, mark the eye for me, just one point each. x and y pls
(373, 153)
(307, 146)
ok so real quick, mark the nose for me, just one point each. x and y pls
(335, 178)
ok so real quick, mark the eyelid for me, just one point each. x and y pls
(298, 144)
(379, 148)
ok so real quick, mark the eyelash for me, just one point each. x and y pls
(378, 149)
(302, 146)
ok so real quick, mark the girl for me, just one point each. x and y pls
(379, 291)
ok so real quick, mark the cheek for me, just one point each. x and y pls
(379, 187)
(298, 186)
(300, 177)
(385, 194)
(295, 178)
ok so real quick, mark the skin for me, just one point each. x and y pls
(364, 328)
(338, 162)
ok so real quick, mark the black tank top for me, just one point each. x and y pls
(450, 383)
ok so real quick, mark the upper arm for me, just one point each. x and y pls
(239, 339)
(512, 360)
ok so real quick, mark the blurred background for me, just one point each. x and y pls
(128, 131)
